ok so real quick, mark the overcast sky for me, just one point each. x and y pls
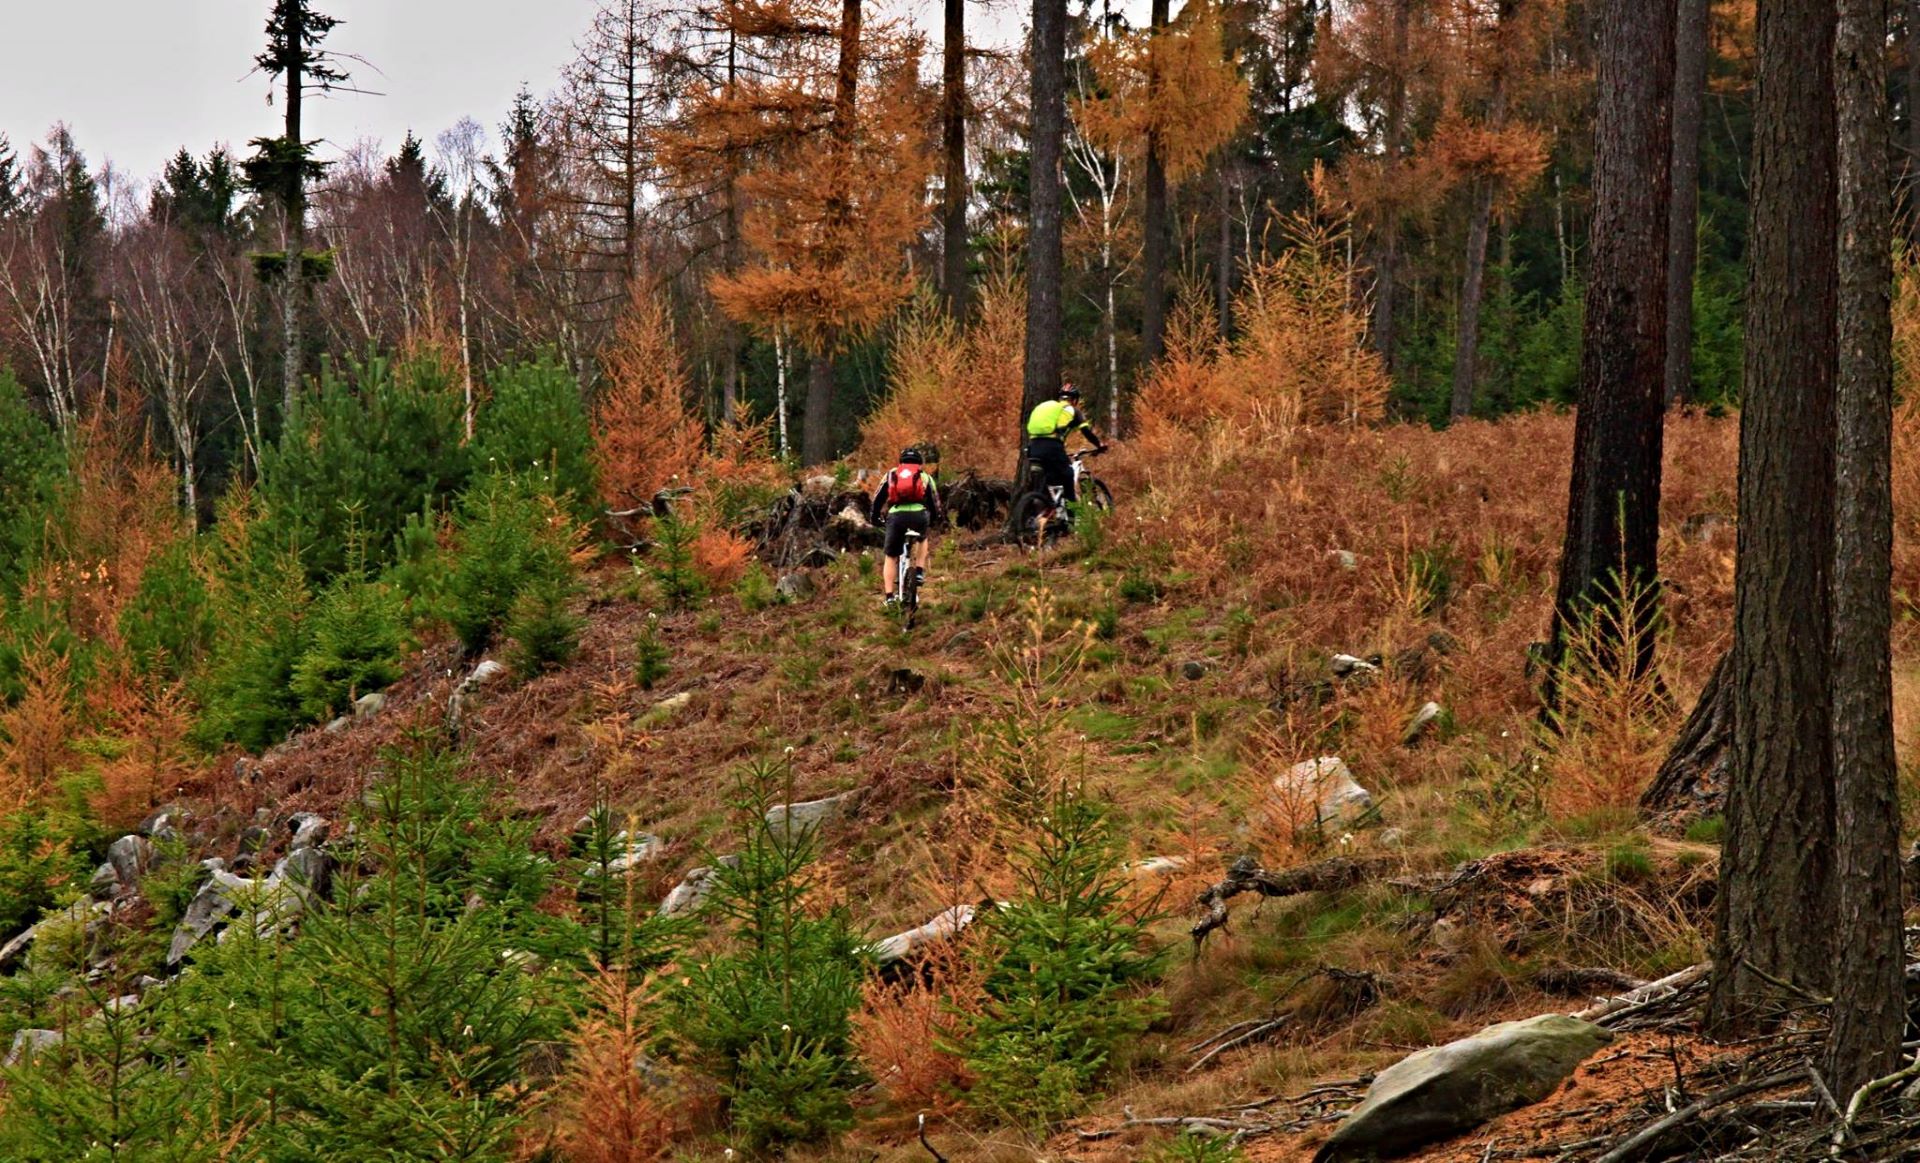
(138, 79)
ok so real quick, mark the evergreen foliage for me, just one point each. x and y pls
(35, 465)
(535, 423)
(512, 536)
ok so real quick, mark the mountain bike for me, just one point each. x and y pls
(909, 582)
(1040, 514)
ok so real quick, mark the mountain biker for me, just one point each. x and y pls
(909, 499)
(1048, 426)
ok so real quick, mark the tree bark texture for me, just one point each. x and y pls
(1154, 215)
(1386, 259)
(1613, 502)
(1044, 260)
(1689, 107)
(1776, 901)
(1869, 1013)
(1466, 353)
(953, 116)
(1692, 781)
(816, 423)
(1910, 166)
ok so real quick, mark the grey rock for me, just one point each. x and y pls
(130, 857)
(1425, 721)
(811, 814)
(15, 950)
(488, 670)
(28, 1043)
(665, 709)
(1194, 669)
(309, 868)
(103, 883)
(147, 983)
(795, 587)
(1392, 838)
(369, 704)
(255, 838)
(163, 825)
(945, 925)
(1345, 558)
(337, 725)
(1444, 1090)
(309, 830)
(692, 891)
(1348, 666)
(1327, 784)
(630, 851)
(1158, 866)
(210, 907)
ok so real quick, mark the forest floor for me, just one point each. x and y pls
(1190, 693)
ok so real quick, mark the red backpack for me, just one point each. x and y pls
(907, 485)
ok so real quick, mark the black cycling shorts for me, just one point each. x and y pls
(899, 523)
(1050, 453)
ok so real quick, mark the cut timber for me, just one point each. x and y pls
(1340, 872)
(1692, 782)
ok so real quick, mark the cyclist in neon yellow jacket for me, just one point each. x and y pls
(1048, 426)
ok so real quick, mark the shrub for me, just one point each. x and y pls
(168, 626)
(260, 605)
(756, 589)
(543, 626)
(721, 557)
(770, 1018)
(363, 452)
(354, 642)
(1063, 965)
(511, 535)
(673, 565)
(652, 659)
(535, 422)
(35, 464)
(644, 435)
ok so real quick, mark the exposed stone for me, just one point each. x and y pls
(1444, 1090)
(946, 924)
(488, 670)
(130, 857)
(1322, 791)
(28, 1043)
(1349, 666)
(163, 825)
(369, 704)
(209, 907)
(1392, 838)
(309, 868)
(1425, 721)
(811, 814)
(338, 725)
(103, 883)
(15, 950)
(904, 680)
(795, 587)
(630, 851)
(309, 830)
(1194, 669)
(255, 838)
(692, 891)
(1344, 558)
(665, 709)
(1158, 866)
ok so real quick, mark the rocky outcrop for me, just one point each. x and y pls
(1444, 1090)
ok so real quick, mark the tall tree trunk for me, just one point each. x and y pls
(1466, 357)
(294, 229)
(1910, 169)
(816, 440)
(953, 116)
(1689, 106)
(1776, 899)
(733, 336)
(1386, 260)
(1466, 351)
(1869, 1013)
(1154, 212)
(1223, 252)
(1044, 260)
(1613, 501)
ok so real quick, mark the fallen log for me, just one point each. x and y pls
(1331, 875)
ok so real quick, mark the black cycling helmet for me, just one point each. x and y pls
(911, 456)
(1068, 391)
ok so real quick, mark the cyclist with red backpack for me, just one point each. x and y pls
(908, 499)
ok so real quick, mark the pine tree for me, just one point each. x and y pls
(12, 197)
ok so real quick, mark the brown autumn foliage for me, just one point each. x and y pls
(37, 733)
(908, 1033)
(644, 434)
(958, 389)
(607, 1111)
(151, 720)
(1201, 97)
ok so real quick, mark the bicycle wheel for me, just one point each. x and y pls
(909, 593)
(1098, 495)
(1030, 518)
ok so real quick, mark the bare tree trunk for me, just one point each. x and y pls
(1223, 252)
(1689, 105)
(953, 114)
(1869, 1012)
(1613, 502)
(1154, 217)
(1466, 357)
(294, 228)
(1911, 164)
(1386, 260)
(1777, 897)
(816, 440)
(1044, 258)
(730, 259)
(780, 388)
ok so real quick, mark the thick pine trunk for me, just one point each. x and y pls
(1910, 166)
(953, 115)
(1689, 104)
(1613, 502)
(1869, 1012)
(816, 436)
(1776, 901)
(1044, 261)
(1154, 217)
